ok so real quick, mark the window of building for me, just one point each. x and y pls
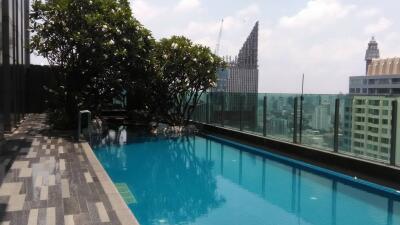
(384, 150)
(360, 119)
(359, 136)
(385, 140)
(360, 102)
(359, 127)
(374, 102)
(385, 103)
(383, 81)
(372, 138)
(373, 120)
(359, 144)
(383, 90)
(373, 130)
(396, 80)
(360, 110)
(374, 112)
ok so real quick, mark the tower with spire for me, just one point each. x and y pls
(371, 53)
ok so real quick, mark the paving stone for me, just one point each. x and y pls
(25, 172)
(50, 180)
(33, 217)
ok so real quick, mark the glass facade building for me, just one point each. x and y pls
(14, 59)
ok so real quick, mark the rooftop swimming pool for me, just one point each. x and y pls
(200, 180)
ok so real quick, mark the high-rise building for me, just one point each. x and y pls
(14, 58)
(382, 76)
(321, 119)
(241, 75)
(370, 111)
(372, 126)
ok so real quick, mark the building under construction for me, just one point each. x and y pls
(241, 75)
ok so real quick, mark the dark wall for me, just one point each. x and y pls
(14, 59)
(37, 78)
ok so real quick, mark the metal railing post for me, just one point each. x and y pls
(265, 116)
(301, 120)
(208, 108)
(393, 134)
(336, 126)
(295, 120)
(241, 112)
(222, 108)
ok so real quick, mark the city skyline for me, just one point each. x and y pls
(325, 39)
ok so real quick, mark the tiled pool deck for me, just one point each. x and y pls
(47, 179)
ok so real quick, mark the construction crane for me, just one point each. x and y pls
(219, 38)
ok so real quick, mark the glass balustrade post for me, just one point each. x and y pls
(222, 108)
(336, 126)
(241, 112)
(265, 116)
(393, 133)
(295, 120)
(301, 119)
(208, 108)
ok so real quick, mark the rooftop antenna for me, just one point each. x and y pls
(219, 38)
(301, 107)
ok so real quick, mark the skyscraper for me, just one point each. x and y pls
(372, 53)
(241, 76)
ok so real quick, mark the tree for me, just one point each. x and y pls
(98, 47)
(185, 72)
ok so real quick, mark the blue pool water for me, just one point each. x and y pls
(205, 181)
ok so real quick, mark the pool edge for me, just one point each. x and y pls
(124, 214)
(310, 166)
(381, 174)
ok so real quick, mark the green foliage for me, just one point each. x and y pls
(102, 52)
(97, 45)
(185, 72)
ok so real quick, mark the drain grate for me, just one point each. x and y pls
(126, 193)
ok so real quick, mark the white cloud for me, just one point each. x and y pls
(370, 12)
(250, 11)
(381, 25)
(187, 5)
(145, 11)
(317, 12)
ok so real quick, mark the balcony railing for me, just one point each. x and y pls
(326, 122)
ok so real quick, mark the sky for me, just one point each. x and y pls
(324, 39)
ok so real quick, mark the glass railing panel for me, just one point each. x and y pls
(251, 115)
(216, 99)
(232, 110)
(199, 114)
(364, 125)
(345, 124)
(280, 114)
(318, 121)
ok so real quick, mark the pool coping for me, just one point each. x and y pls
(124, 214)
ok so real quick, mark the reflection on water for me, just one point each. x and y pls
(194, 180)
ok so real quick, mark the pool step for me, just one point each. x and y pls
(126, 193)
